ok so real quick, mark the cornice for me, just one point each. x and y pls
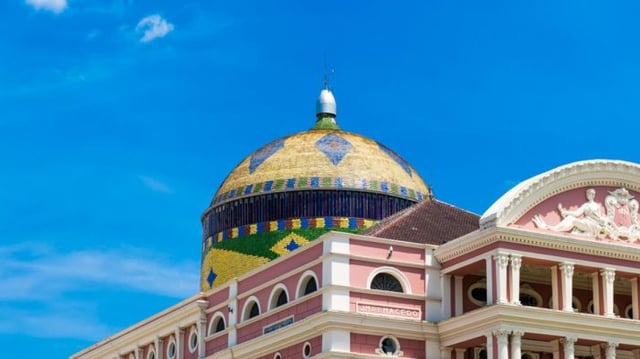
(315, 325)
(181, 315)
(480, 239)
(538, 320)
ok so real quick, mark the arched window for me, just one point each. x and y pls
(251, 308)
(217, 323)
(278, 296)
(307, 284)
(386, 281)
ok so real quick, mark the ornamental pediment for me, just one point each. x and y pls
(598, 212)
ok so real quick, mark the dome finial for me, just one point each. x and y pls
(326, 106)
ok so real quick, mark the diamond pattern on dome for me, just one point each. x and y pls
(334, 147)
(292, 246)
(289, 243)
(394, 156)
(261, 155)
(211, 277)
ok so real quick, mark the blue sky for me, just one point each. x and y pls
(120, 118)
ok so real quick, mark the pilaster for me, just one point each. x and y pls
(516, 263)
(567, 286)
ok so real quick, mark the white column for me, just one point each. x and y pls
(490, 284)
(460, 353)
(569, 347)
(502, 261)
(608, 277)
(516, 263)
(567, 286)
(503, 343)
(458, 288)
(489, 345)
(139, 352)
(179, 343)
(635, 301)
(233, 313)
(159, 344)
(516, 344)
(611, 350)
(202, 328)
(555, 291)
(595, 283)
(445, 353)
(445, 284)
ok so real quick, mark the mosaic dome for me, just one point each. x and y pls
(296, 188)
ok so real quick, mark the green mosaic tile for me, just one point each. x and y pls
(279, 184)
(373, 185)
(302, 182)
(327, 182)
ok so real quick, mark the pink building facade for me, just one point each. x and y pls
(551, 272)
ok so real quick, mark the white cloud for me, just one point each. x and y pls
(153, 27)
(36, 273)
(56, 6)
(155, 185)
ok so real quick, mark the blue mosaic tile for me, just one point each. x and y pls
(394, 156)
(403, 190)
(291, 183)
(338, 182)
(419, 195)
(247, 190)
(304, 223)
(353, 223)
(334, 147)
(268, 185)
(315, 182)
(261, 155)
(363, 184)
(260, 227)
(292, 246)
(384, 187)
(281, 224)
(328, 222)
(211, 277)
(232, 193)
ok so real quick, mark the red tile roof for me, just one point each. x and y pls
(430, 221)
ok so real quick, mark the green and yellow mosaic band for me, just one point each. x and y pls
(233, 256)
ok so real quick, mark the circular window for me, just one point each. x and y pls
(193, 340)
(171, 350)
(389, 346)
(477, 293)
(306, 350)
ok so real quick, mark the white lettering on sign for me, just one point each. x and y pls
(371, 308)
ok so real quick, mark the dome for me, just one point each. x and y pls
(322, 159)
(291, 190)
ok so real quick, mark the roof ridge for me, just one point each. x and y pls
(388, 221)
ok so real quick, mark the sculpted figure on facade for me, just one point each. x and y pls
(588, 219)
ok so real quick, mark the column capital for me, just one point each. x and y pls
(501, 333)
(516, 261)
(502, 260)
(517, 333)
(569, 340)
(566, 269)
(609, 274)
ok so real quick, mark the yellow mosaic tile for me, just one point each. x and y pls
(281, 246)
(301, 158)
(227, 265)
